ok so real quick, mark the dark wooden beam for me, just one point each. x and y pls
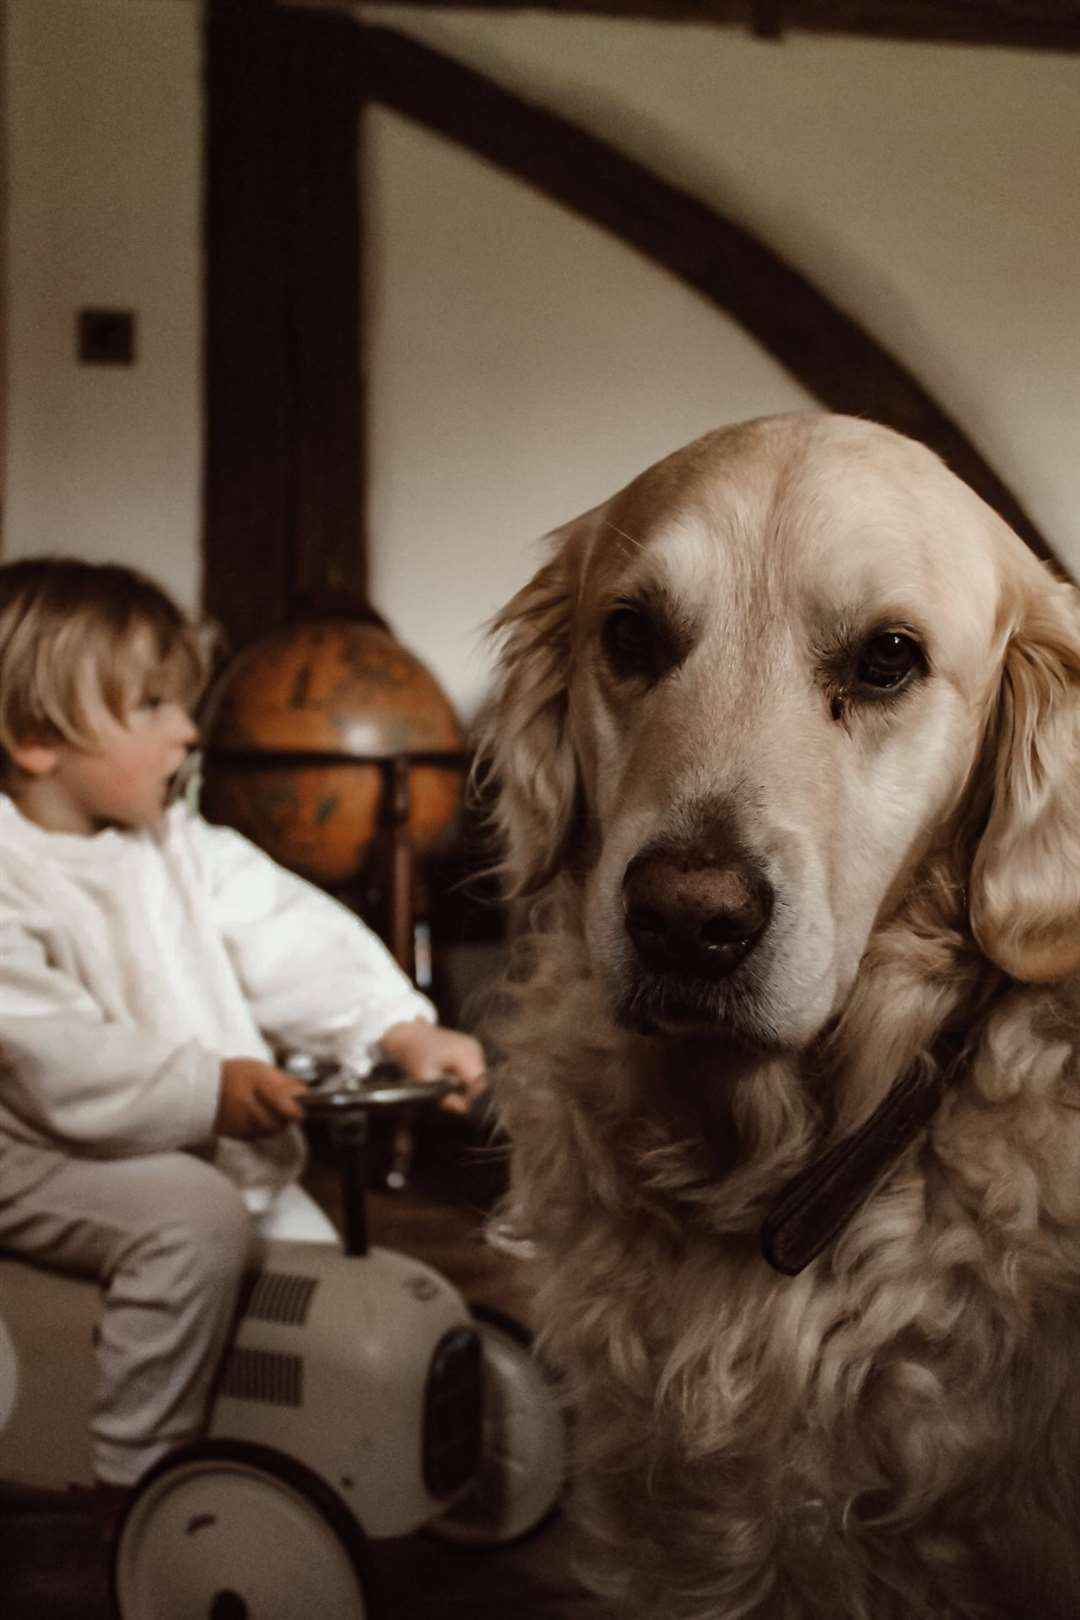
(284, 450)
(1052, 25)
(246, 532)
(284, 444)
(834, 358)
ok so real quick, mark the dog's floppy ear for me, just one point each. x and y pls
(1025, 882)
(524, 751)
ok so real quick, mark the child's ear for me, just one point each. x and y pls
(33, 756)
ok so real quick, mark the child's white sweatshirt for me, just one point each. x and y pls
(133, 963)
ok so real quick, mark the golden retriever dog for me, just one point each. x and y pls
(786, 748)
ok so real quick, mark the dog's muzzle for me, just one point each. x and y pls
(694, 921)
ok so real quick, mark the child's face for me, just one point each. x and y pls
(123, 780)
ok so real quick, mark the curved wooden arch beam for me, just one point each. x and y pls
(1048, 25)
(833, 357)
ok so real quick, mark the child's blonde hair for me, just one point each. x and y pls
(61, 617)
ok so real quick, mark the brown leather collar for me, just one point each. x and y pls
(817, 1203)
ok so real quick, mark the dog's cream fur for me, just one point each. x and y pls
(896, 1431)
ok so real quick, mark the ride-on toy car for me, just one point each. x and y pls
(359, 1398)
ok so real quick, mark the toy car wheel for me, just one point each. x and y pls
(230, 1531)
(523, 1455)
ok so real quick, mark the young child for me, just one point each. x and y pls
(151, 965)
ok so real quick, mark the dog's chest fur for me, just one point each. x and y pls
(904, 1403)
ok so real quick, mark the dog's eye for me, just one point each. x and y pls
(886, 661)
(635, 644)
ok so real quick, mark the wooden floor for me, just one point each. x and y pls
(52, 1566)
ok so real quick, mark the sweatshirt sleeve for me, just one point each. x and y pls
(316, 978)
(100, 1086)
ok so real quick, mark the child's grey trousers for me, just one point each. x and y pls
(168, 1237)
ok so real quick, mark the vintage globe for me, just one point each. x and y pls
(337, 686)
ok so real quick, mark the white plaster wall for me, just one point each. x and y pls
(523, 364)
(103, 124)
(522, 369)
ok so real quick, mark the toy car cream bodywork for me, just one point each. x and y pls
(359, 1398)
(368, 1371)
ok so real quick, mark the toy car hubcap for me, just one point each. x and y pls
(219, 1539)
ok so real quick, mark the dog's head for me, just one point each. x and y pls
(745, 697)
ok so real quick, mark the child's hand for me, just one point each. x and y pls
(429, 1052)
(256, 1099)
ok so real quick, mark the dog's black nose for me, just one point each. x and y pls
(695, 920)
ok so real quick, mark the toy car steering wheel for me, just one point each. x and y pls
(334, 1090)
(344, 1100)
